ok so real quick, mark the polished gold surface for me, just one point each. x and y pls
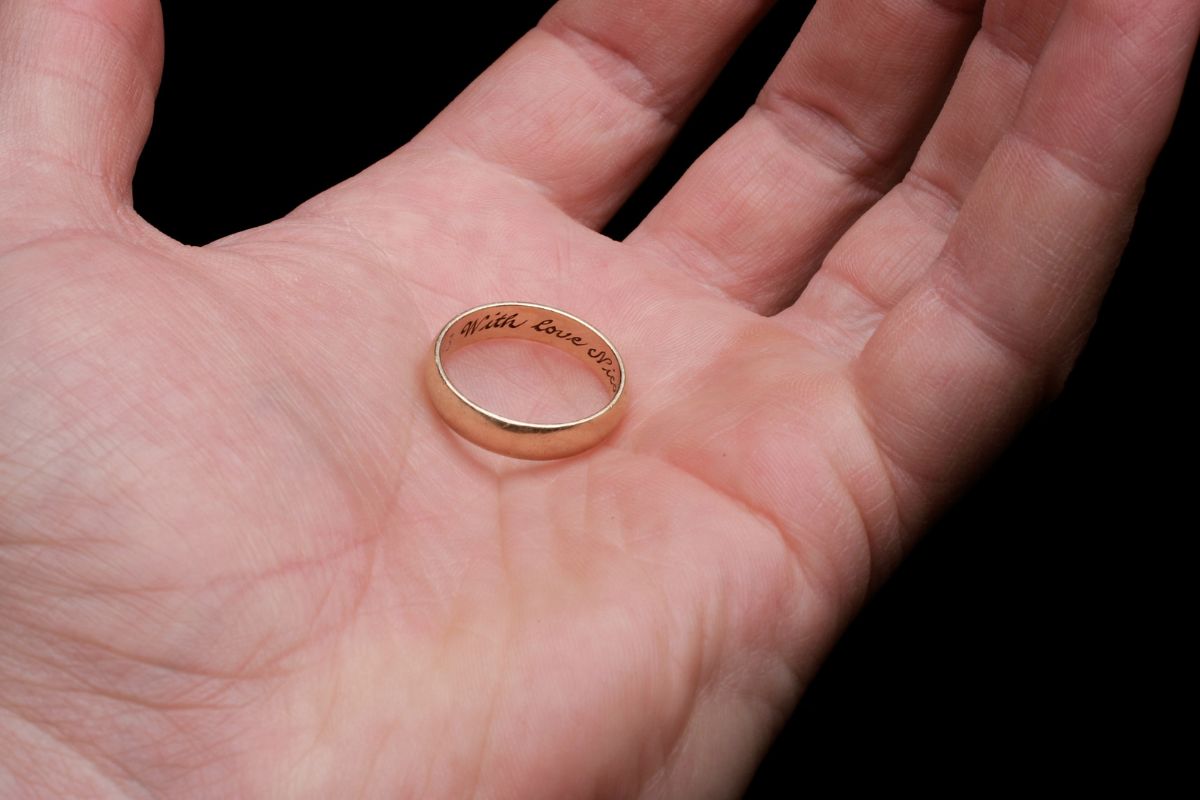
(535, 323)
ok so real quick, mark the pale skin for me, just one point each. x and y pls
(240, 556)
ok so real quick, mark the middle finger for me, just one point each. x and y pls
(836, 124)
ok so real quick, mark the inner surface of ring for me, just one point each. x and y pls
(535, 324)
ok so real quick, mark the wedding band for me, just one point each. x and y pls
(535, 323)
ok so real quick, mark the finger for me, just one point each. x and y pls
(834, 127)
(992, 329)
(581, 107)
(883, 254)
(77, 85)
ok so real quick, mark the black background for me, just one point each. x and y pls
(1027, 640)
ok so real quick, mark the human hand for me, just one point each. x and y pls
(238, 553)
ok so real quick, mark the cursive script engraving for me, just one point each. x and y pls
(606, 364)
(500, 323)
(487, 322)
(547, 327)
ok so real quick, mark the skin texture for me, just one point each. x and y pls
(240, 555)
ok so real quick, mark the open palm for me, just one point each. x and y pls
(239, 553)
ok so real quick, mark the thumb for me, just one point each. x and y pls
(77, 86)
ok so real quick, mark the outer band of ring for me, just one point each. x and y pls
(513, 437)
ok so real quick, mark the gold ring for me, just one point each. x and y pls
(535, 323)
